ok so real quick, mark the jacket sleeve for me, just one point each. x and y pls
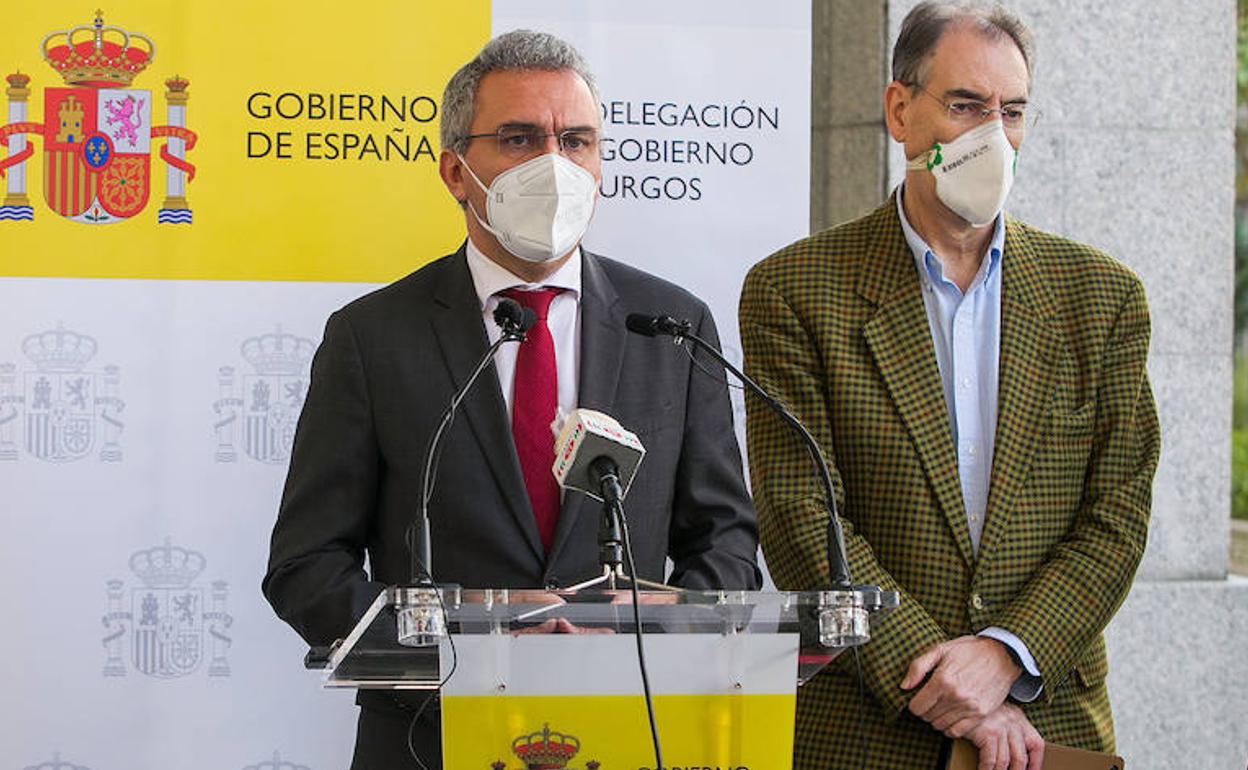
(316, 580)
(782, 357)
(713, 535)
(1064, 607)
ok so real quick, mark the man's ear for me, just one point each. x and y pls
(451, 169)
(897, 99)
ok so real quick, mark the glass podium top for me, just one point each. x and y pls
(397, 643)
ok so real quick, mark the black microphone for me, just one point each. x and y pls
(680, 329)
(512, 318)
(514, 321)
(606, 476)
(654, 325)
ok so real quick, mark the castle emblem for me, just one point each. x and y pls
(173, 623)
(545, 750)
(68, 409)
(276, 763)
(97, 133)
(266, 410)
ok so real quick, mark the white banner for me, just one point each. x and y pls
(145, 425)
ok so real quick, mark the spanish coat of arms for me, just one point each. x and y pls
(172, 625)
(265, 410)
(69, 409)
(97, 131)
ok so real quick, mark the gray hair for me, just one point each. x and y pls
(929, 20)
(520, 49)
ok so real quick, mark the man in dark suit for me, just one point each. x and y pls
(520, 121)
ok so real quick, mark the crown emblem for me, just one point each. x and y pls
(107, 58)
(278, 353)
(545, 750)
(167, 566)
(276, 763)
(59, 350)
(56, 764)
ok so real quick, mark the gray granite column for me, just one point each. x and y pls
(848, 176)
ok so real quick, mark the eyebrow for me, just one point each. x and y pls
(966, 93)
(540, 129)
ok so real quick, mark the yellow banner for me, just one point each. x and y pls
(229, 140)
(749, 732)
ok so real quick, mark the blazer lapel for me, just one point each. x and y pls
(461, 336)
(1030, 347)
(602, 354)
(900, 339)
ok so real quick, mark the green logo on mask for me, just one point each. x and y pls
(934, 158)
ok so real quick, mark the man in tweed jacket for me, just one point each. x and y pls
(982, 396)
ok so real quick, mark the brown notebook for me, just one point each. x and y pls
(965, 757)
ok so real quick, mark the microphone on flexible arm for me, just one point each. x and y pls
(680, 329)
(514, 321)
(596, 455)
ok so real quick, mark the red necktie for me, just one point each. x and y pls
(535, 396)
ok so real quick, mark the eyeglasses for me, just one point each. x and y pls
(970, 112)
(523, 141)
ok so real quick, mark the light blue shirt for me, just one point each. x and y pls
(966, 336)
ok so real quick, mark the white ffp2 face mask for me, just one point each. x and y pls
(540, 209)
(974, 173)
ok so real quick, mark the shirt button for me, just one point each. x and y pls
(970, 450)
(966, 382)
(975, 517)
(977, 602)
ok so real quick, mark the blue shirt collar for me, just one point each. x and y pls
(929, 264)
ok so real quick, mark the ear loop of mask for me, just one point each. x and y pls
(926, 161)
(488, 228)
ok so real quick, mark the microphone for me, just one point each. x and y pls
(654, 325)
(680, 329)
(514, 321)
(596, 455)
(512, 318)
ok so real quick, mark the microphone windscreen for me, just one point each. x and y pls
(527, 319)
(642, 324)
(509, 315)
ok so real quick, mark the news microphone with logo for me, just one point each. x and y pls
(596, 455)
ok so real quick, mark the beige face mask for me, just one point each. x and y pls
(974, 173)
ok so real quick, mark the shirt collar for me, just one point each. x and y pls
(929, 264)
(489, 277)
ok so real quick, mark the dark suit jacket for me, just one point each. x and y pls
(381, 379)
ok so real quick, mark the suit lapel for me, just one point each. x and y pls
(457, 325)
(602, 355)
(1030, 347)
(901, 342)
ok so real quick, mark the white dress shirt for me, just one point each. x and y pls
(563, 318)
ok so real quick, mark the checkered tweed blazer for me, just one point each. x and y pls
(834, 326)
